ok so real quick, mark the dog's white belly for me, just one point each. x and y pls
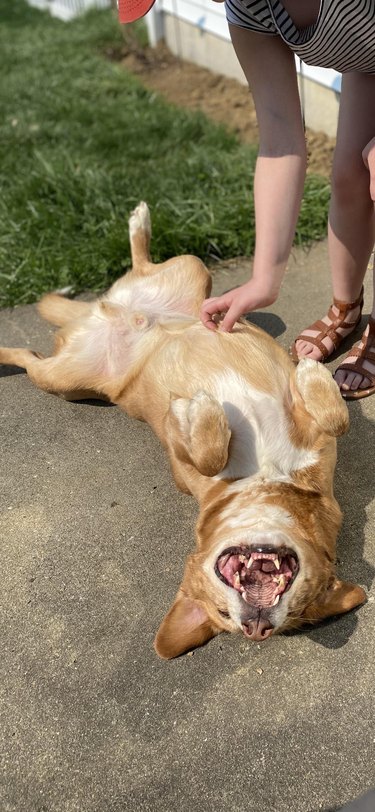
(260, 444)
(154, 301)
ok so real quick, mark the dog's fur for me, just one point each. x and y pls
(248, 434)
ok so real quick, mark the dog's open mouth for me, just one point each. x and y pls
(261, 574)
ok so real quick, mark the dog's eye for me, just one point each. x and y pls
(223, 614)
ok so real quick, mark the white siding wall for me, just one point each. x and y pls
(208, 16)
(197, 30)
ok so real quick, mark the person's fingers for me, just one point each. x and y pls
(210, 309)
(230, 319)
(210, 324)
(214, 305)
(207, 319)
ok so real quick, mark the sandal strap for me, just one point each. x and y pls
(359, 369)
(328, 331)
(331, 330)
(315, 340)
(339, 321)
(368, 345)
(362, 354)
(344, 306)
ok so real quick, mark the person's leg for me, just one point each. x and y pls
(354, 379)
(350, 374)
(351, 230)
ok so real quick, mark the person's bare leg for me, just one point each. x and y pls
(353, 380)
(348, 380)
(351, 230)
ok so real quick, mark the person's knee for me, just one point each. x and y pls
(349, 182)
(368, 154)
(368, 157)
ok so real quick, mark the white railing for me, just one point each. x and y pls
(67, 9)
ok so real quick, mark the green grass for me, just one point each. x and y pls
(82, 142)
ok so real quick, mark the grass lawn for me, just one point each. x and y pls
(82, 142)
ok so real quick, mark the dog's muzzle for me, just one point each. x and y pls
(261, 575)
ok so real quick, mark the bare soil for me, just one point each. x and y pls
(220, 98)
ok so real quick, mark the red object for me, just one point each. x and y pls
(130, 10)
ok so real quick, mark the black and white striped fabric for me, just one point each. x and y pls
(343, 37)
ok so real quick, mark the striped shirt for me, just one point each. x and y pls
(343, 36)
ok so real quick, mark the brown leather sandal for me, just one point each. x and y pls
(330, 330)
(366, 352)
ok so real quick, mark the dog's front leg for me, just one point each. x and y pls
(197, 434)
(321, 397)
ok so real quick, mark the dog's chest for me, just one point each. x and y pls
(260, 443)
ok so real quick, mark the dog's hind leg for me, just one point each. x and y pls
(182, 282)
(58, 310)
(51, 374)
(140, 236)
(198, 434)
(188, 271)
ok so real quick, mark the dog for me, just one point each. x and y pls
(248, 434)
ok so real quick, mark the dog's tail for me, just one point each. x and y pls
(59, 311)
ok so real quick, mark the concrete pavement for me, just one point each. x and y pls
(93, 540)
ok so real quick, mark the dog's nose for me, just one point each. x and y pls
(257, 629)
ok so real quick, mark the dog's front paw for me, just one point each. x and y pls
(321, 396)
(204, 430)
(203, 407)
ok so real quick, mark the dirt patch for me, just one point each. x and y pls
(224, 100)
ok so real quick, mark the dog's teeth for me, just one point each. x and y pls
(249, 563)
(276, 600)
(277, 563)
(279, 580)
(236, 578)
(242, 558)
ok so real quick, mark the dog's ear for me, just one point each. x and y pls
(186, 626)
(340, 597)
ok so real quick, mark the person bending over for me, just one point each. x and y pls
(338, 34)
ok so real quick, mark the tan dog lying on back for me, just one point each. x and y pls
(248, 434)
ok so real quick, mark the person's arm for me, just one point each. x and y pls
(269, 67)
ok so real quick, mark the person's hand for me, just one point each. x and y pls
(368, 156)
(235, 303)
